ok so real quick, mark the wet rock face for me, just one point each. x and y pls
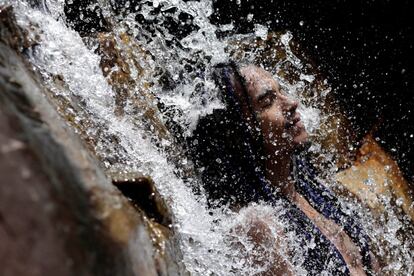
(29, 235)
(59, 212)
(46, 220)
(373, 175)
(11, 34)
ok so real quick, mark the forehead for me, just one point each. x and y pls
(258, 80)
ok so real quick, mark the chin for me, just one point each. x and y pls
(301, 140)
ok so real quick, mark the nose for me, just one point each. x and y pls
(290, 105)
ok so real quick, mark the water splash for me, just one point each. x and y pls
(179, 71)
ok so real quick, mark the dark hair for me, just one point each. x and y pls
(226, 148)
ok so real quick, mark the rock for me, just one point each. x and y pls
(59, 212)
(31, 241)
(142, 192)
(373, 175)
(118, 55)
(11, 33)
(123, 61)
(116, 70)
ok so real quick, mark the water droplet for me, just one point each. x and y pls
(250, 17)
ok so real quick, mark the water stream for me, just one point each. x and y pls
(173, 70)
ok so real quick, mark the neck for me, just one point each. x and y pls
(279, 173)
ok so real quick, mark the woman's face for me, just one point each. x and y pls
(279, 122)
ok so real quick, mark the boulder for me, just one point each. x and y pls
(375, 176)
(59, 212)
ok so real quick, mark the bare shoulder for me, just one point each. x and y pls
(259, 240)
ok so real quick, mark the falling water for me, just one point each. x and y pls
(177, 71)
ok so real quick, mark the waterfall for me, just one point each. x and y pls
(135, 111)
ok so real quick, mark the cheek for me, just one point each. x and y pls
(272, 123)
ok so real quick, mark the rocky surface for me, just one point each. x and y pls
(59, 212)
(374, 176)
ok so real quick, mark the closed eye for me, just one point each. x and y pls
(266, 99)
(283, 92)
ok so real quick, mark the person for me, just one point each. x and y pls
(252, 151)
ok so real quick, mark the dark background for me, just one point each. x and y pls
(364, 47)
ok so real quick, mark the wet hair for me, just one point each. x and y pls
(226, 147)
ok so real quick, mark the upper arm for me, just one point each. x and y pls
(260, 246)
